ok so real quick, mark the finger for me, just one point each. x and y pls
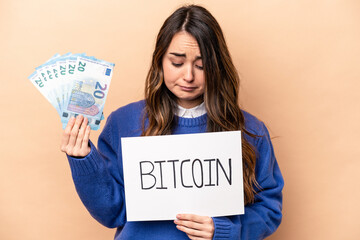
(195, 225)
(195, 237)
(75, 131)
(66, 134)
(189, 224)
(85, 142)
(80, 136)
(192, 217)
(191, 232)
(201, 231)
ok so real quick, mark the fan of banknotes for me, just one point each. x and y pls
(75, 84)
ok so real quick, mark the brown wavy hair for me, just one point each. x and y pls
(221, 85)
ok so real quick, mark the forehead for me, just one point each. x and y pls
(183, 42)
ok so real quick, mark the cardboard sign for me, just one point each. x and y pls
(190, 173)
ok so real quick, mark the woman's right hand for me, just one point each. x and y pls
(75, 139)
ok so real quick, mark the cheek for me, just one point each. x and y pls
(166, 73)
(202, 81)
(169, 74)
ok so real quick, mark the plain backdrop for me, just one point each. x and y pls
(299, 68)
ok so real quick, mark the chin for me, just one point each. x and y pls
(190, 101)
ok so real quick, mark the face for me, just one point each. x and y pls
(183, 70)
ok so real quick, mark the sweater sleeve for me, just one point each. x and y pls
(227, 228)
(262, 217)
(98, 182)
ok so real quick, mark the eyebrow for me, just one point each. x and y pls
(183, 55)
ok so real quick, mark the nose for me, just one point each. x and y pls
(189, 74)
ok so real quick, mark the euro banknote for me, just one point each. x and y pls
(75, 84)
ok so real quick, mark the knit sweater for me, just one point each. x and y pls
(99, 181)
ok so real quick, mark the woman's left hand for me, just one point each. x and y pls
(195, 226)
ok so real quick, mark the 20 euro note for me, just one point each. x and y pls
(42, 87)
(90, 87)
(46, 80)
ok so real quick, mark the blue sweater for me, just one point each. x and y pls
(98, 179)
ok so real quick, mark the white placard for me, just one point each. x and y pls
(190, 173)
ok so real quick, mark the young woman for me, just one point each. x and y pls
(192, 87)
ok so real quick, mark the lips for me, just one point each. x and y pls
(187, 89)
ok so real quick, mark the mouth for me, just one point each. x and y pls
(187, 89)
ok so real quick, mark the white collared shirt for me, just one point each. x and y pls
(191, 112)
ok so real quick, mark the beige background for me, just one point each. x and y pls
(299, 63)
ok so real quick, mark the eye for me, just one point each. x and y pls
(177, 64)
(199, 67)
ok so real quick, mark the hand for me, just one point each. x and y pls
(195, 226)
(75, 139)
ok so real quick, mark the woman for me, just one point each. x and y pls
(192, 87)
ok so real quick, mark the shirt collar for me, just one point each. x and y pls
(191, 112)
